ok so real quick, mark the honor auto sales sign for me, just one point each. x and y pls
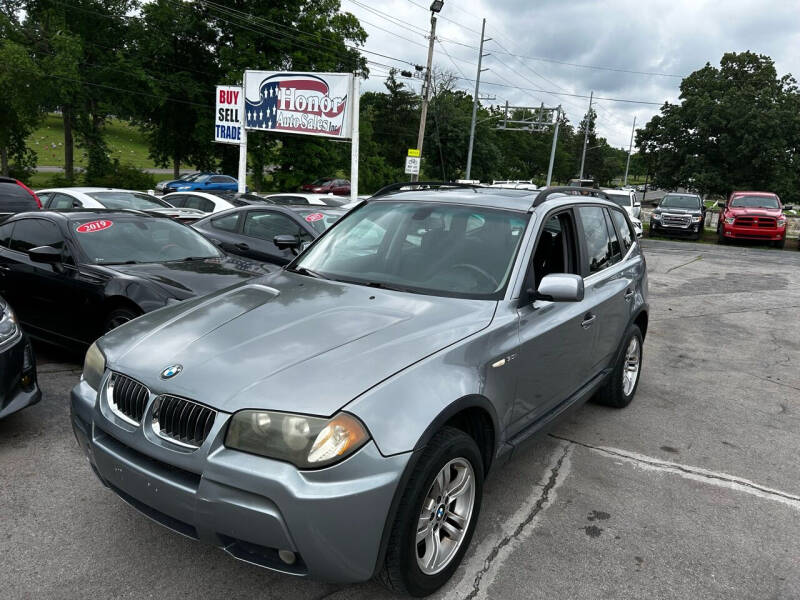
(228, 122)
(304, 103)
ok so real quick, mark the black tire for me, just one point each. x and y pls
(119, 316)
(781, 244)
(612, 393)
(400, 572)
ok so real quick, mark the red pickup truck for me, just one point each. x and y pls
(752, 216)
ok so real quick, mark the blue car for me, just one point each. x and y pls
(204, 182)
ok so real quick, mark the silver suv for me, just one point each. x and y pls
(337, 419)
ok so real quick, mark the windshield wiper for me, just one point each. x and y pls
(309, 272)
(191, 258)
(127, 262)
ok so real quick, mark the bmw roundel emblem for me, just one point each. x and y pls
(171, 371)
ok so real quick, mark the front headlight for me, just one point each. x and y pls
(94, 366)
(697, 219)
(657, 216)
(730, 220)
(781, 221)
(9, 328)
(306, 442)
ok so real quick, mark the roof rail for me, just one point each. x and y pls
(423, 184)
(568, 190)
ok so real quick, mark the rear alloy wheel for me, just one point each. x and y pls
(620, 387)
(436, 516)
(117, 317)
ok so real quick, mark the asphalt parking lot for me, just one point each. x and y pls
(691, 492)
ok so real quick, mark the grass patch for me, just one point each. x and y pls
(125, 142)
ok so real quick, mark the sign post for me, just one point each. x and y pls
(354, 145)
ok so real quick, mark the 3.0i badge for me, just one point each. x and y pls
(171, 371)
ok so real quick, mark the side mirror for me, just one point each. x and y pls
(45, 254)
(637, 203)
(788, 207)
(286, 241)
(560, 287)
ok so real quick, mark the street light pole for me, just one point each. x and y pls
(553, 149)
(586, 133)
(630, 149)
(426, 93)
(475, 103)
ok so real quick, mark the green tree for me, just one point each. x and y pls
(736, 127)
(19, 106)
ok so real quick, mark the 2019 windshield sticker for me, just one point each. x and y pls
(94, 226)
(314, 217)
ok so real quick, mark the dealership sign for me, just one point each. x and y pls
(304, 103)
(227, 126)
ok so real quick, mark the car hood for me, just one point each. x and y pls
(182, 280)
(678, 211)
(756, 212)
(290, 343)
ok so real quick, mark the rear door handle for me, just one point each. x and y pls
(588, 320)
(629, 295)
(242, 246)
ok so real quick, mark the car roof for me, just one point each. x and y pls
(212, 197)
(76, 214)
(312, 208)
(302, 195)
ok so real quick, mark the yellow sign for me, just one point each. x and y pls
(413, 152)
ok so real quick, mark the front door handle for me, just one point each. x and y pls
(588, 320)
(4, 268)
(629, 295)
(242, 246)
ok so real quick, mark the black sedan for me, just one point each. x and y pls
(18, 387)
(74, 275)
(268, 233)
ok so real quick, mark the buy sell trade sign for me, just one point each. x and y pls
(228, 118)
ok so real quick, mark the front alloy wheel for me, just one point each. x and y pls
(446, 512)
(436, 515)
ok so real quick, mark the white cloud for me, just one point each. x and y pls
(675, 37)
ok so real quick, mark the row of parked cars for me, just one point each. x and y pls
(756, 216)
(368, 385)
(215, 182)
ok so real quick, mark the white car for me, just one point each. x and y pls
(627, 199)
(99, 197)
(305, 199)
(202, 201)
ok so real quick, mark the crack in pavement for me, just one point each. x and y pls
(695, 259)
(694, 473)
(538, 506)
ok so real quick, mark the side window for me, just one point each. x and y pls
(217, 179)
(595, 235)
(62, 202)
(45, 199)
(177, 201)
(266, 225)
(226, 223)
(556, 250)
(5, 234)
(206, 205)
(624, 230)
(31, 233)
(616, 252)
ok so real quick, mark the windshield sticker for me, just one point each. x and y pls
(315, 217)
(95, 226)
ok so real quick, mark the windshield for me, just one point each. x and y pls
(140, 240)
(680, 201)
(128, 200)
(755, 202)
(437, 249)
(623, 200)
(320, 220)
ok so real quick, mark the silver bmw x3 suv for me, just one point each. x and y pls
(371, 384)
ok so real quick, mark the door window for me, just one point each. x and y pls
(200, 203)
(62, 202)
(626, 235)
(5, 234)
(226, 223)
(32, 233)
(266, 225)
(177, 201)
(596, 237)
(556, 250)
(616, 252)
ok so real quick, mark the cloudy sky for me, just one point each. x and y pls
(664, 38)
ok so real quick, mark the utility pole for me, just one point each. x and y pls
(436, 6)
(475, 101)
(630, 149)
(586, 133)
(553, 149)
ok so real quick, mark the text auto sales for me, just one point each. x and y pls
(290, 100)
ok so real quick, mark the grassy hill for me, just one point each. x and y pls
(125, 142)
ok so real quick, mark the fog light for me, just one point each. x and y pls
(26, 381)
(287, 556)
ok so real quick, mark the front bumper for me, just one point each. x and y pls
(18, 385)
(691, 229)
(332, 519)
(753, 233)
